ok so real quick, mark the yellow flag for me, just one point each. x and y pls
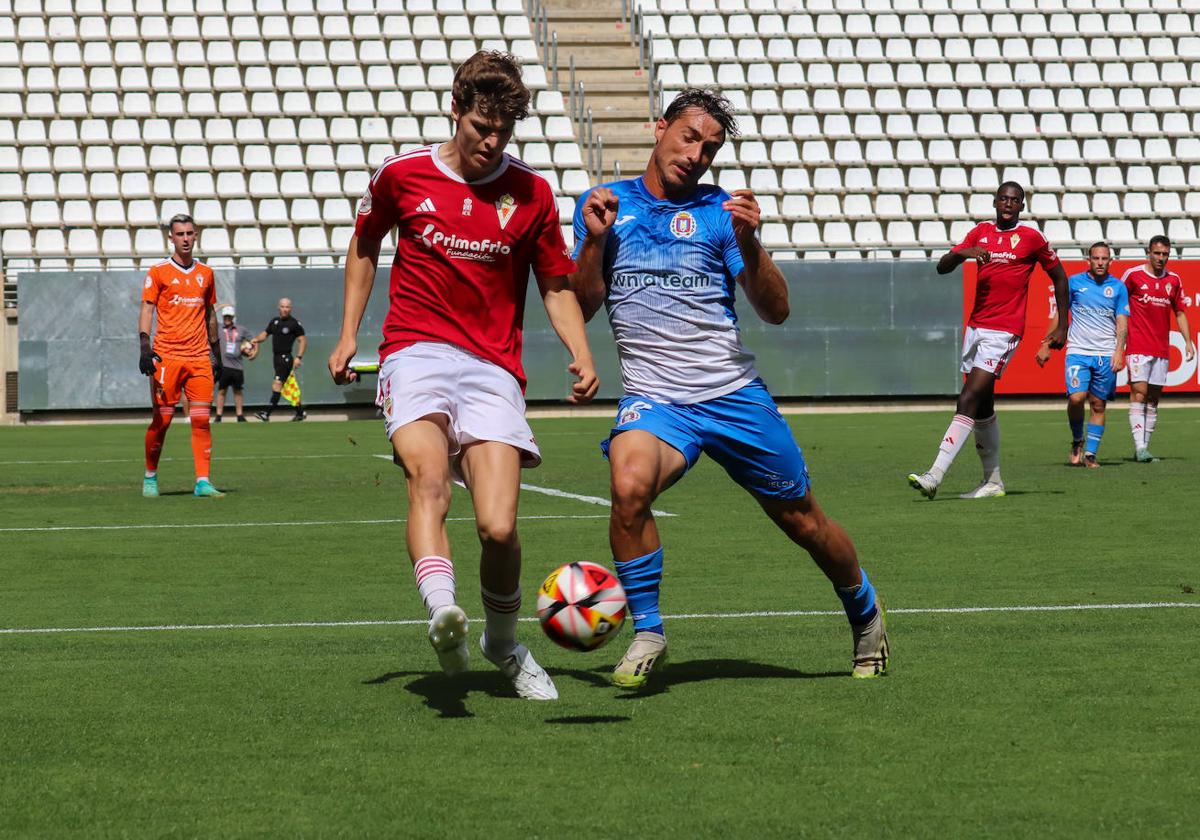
(291, 390)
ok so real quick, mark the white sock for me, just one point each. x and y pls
(151, 474)
(1137, 424)
(501, 613)
(987, 444)
(435, 582)
(200, 478)
(1151, 422)
(956, 435)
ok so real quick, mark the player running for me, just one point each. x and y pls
(1095, 350)
(472, 223)
(1007, 251)
(1154, 293)
(665, 255)
(182, 293)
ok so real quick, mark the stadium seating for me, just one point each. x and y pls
(868, 127)
(263, 119)
(906, 114)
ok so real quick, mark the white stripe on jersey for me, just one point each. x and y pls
(411, 153)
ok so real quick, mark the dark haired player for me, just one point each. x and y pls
(665, 255)
(1007, 251)
(1154, 293)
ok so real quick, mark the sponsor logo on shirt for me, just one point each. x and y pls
(623, 220)
(426, 206)
(637, 279)
(683, 225)
(182, 300)
(458, 248)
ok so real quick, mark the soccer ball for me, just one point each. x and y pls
(581, 606)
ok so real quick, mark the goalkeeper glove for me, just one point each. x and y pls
(148, 356)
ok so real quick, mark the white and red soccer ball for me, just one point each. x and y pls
(581, 606)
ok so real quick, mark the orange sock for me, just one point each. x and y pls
(201, 439)
(156, 434)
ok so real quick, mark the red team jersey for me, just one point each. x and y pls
(1151, 301)
(1002, 289)
(464, 252)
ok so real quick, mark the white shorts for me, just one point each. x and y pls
(1143, 368)
(988, 350)
(480, 400)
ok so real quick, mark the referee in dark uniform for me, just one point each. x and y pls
(285, 331)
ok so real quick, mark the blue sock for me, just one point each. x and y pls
(641, 578)
(1077, 429)
(859, 601)
(1093, 440)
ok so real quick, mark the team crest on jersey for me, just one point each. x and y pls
(1168, 288)
(683, 225)
(1108, 291)
(466, 211)
(387, 406)
(1014, 239)
(506, 206)
(149, 282)
(364, 206)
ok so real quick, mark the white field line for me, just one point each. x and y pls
(1152, 605)
(304, 523)
(561, 494)
(189, 460)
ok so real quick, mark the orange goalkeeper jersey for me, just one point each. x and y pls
(180, 296)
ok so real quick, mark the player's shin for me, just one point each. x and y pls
(1137, 424)
(1151, 422)
(435, 582)
(501, 613)
(201, 439)
(641, 579)
(1095, 431)
(858, 600)
(156, 434)
(952, 441)
(987, 444)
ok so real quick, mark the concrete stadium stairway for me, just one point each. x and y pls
(615, 87)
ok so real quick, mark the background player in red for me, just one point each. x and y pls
(1007, 251)
(182, 294)
(471, 223)
(1154, 293)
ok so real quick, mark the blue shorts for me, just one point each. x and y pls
(1093, 374)
(743, 432)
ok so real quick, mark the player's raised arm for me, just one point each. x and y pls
(562, 307)
(362, 260)
(765, 286)
(595, 215)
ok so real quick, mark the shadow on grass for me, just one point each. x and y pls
(448, 695)
(589, 719)
(703, 670)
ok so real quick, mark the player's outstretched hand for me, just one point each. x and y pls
(600, 211)
(981, 255)
(744, 210)
(339, 361)
(584, 390)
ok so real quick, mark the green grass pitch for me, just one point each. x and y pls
(1012, 724)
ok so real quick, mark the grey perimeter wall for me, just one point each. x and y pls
(857, 329)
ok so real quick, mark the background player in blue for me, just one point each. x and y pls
(1095, 349)
(664, 255)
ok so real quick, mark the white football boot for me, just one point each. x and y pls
(448, 635)
(986, 490)
(925, 483)
(871, 652)
(529, 678)
(647, 654)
